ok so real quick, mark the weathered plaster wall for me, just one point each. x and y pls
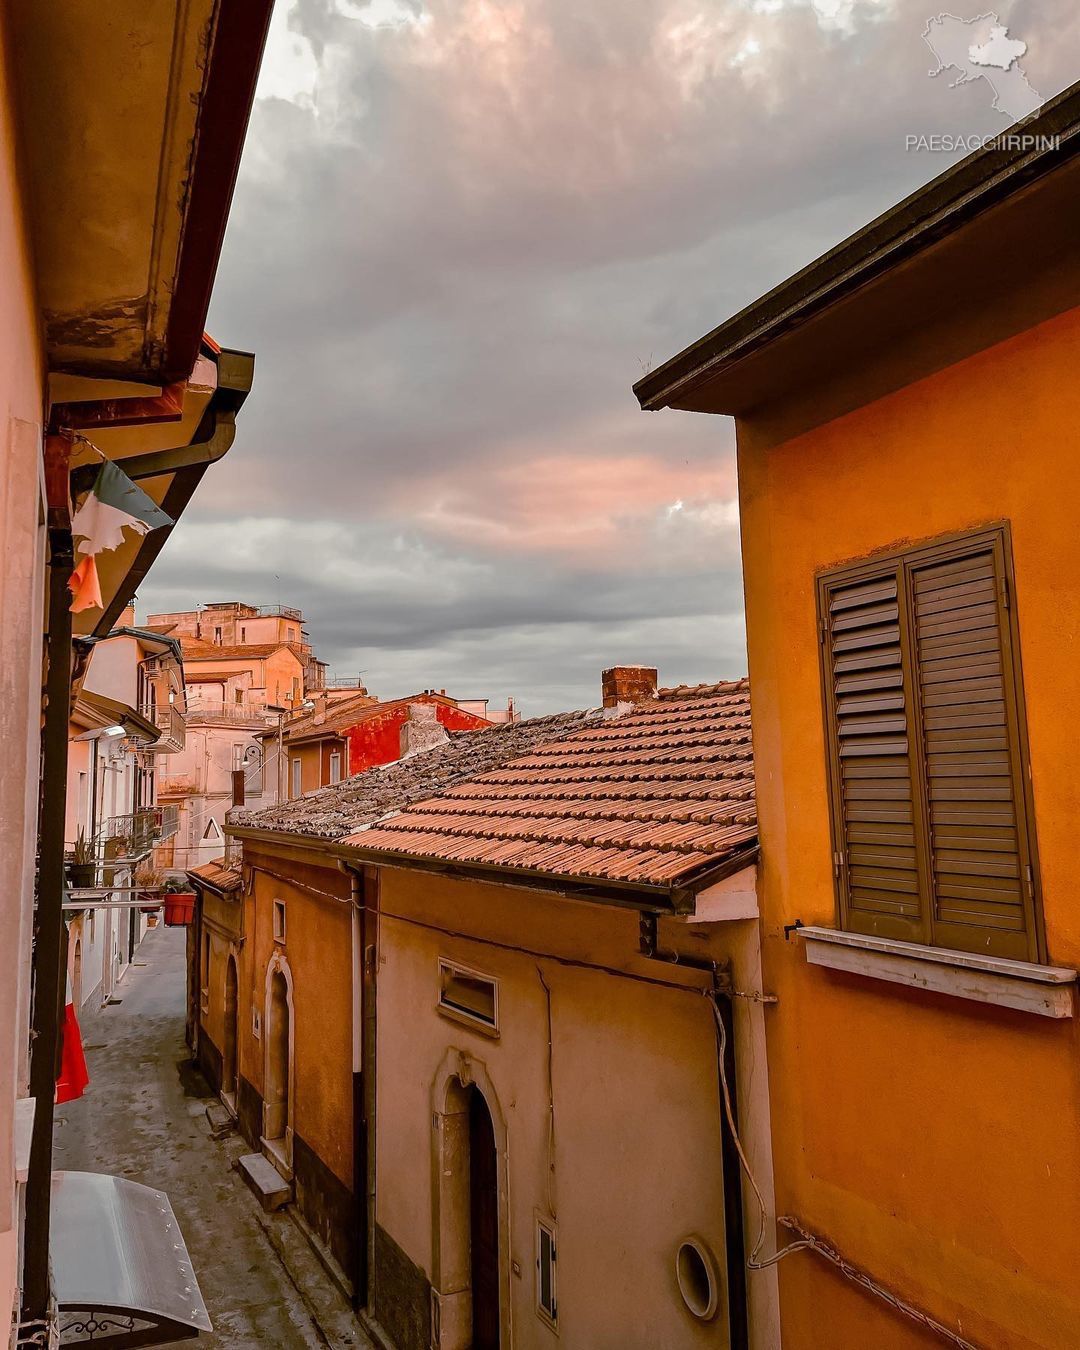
(935, 1141)
(21, 588)
(377, 740)
(637, 1133)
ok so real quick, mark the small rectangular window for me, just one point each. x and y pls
(297, 778)
(335, 766)
(546, 1302)
(279, 920)
(468, 996)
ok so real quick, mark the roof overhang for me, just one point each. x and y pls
(134, 117)
(672, 899)
(167, 459)
(94, 711)
(984, 251)
(121, 1270)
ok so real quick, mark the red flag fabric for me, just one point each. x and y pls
(73, 1076)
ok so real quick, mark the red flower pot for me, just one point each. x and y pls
(179, 909)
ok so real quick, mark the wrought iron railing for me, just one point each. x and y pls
(168, 719)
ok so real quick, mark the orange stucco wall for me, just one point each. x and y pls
(935, 1141)
(318, 952)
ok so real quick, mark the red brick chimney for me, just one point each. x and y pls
(628, 684)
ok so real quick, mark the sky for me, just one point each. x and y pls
(462, 230)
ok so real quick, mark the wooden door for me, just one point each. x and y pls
(484, 1224)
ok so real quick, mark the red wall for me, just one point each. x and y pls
(377, 740)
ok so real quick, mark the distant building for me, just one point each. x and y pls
(246, 668)
(338, 739)
(127, 716)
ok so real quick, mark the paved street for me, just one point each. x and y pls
(143, 1116)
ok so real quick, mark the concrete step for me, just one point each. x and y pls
(220, 1121)
(265, 1180)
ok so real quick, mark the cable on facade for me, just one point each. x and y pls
(807, 1241)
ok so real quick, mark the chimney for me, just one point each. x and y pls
(422, 730)
(628, 684)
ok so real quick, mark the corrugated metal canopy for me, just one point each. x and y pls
(121, 1270)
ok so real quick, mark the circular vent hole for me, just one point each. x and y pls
(696, 1273)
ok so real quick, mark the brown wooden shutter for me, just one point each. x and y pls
(877, 829)
(967, 690)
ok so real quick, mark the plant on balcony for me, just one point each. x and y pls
(179, 902)
(151, 883)
(81, 865)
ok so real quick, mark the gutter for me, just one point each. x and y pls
(187, 464)
(975, 185)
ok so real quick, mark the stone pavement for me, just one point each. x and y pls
(144, 1116)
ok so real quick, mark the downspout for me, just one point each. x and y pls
(49, 934)
(720, 996)
(363, 1074)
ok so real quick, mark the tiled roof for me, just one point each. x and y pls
(656, 796)
(218, 875)
(334, 811)
(653, 797)
(198, 649)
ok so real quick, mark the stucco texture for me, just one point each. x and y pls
(935, 1141)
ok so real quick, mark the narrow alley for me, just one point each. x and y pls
(144, 1117)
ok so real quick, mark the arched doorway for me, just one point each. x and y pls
(277, 1134)
(483, 1224)
(228, 1067)
(470, 1214)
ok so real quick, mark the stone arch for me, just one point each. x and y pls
(458, 1077)
(279, 1040)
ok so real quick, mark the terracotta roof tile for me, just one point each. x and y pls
(658, 795)
(218, 875)
(654, 796)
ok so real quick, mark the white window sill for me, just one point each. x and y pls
(1046, 991)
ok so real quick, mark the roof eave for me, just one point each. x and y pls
(964, 191)
(676, 897)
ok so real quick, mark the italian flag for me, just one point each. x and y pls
(114, 504)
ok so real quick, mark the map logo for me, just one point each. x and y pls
(981, 49)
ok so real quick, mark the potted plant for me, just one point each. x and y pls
(150, 881)
(82, 867)
(179, 903)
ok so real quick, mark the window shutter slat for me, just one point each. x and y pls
(969, 735)
(870, 745)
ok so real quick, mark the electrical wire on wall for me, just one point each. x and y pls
(807, 1241)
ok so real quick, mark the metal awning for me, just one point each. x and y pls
(121, 1271)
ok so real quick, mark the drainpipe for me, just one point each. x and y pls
(720, 994)
(49, 928)
(363, 1082)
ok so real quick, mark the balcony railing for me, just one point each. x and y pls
(234, 713)
(168, 719)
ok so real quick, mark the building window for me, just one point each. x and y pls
(279, 920)
(297, 778)
(546, 1302)
(243, 633)
(933, 835)
(217, 636)
(468, 996)
(335, 766)
(292, 634)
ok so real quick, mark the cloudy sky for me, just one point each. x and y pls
(463, 228)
